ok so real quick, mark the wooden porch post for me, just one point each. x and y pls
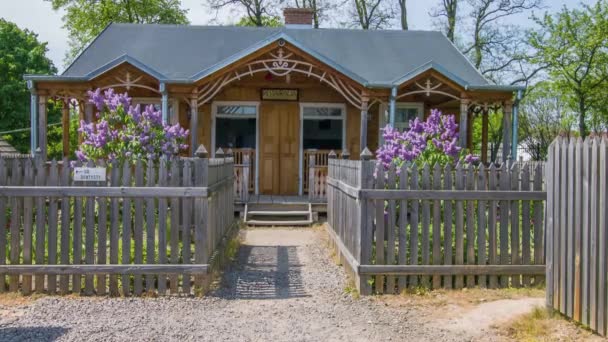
(65, 125)
(463, 125)
(484, 134)
(506, 129)
(88, 112)
(193, 121)
(364, 109)
(42, 123)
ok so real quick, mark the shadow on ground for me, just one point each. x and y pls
(43, 334)
(263, 272)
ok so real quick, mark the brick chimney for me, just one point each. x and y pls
(298, 17)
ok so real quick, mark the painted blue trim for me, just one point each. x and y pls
(164, 103)
(392, 104)
(515, 125)
(33, 122)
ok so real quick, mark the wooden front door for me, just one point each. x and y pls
(279, 148)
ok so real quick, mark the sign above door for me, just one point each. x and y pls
(280, 94)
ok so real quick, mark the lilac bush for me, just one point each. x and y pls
(125, 132)
(432, 141)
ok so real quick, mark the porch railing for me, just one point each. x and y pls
(315, 173)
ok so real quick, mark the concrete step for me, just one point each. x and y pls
(279, 223)
(278, 213)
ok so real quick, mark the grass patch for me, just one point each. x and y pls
(351, 290)
(545, 325)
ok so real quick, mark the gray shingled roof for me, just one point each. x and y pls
(177, 52)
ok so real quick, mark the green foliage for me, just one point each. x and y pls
(268, 21)
(55, 142)
(85, 19)
(20, 53)
(544, 115)
(573, 45)
(495, 119)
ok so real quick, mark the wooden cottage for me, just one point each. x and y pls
(278, 95)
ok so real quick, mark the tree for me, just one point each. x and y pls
(500, 51)
(256, 11)
(448, 9)
(372, 14)
(574, 45)
(403, 14)
(544, 116)
(20, 53)
(85, 19)
(267, 21)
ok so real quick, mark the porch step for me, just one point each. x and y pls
(277, 213)
(288, 214)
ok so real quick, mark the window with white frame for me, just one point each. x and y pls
(404, 112)
(235, 125)
(323, 126)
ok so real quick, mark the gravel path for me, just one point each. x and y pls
(283, 287)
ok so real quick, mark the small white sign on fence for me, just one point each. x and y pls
(90, 174)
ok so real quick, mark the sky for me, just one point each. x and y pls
(39, 17)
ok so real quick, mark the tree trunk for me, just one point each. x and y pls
(582, 113)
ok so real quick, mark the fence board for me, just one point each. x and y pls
(89, 239)
(150, 225)
(447, 226)
(53, 215)
(426, 221)
(138, 228)
(503, 209)
(66, 214)
(380, 233)
(114, 227)
(437, 224)
(3, 231)
(186, 224)
(390, 230)
(126, 230)
(40, 222)
(492, 223)
(403, 222)
(162, 226)
(481, 226)
(470, 235)
(577, 231)
(459, 257)
(414, 258)
(28, 179)
(175, 217)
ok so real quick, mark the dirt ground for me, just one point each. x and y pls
(283, 286)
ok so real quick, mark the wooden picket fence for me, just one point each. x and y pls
(577, 231)
(152, 226)
(436, 227)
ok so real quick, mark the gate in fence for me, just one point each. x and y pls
(151, 226)
(577, 231)
(436, 227)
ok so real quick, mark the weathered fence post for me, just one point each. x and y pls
(346, 154)
(311, 177)
(364, 233)
(245, 178)
(201, 217)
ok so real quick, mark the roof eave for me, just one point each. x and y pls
(495, 87)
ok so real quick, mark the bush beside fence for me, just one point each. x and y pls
(435, 227)
(149, 227)
(577, 231)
